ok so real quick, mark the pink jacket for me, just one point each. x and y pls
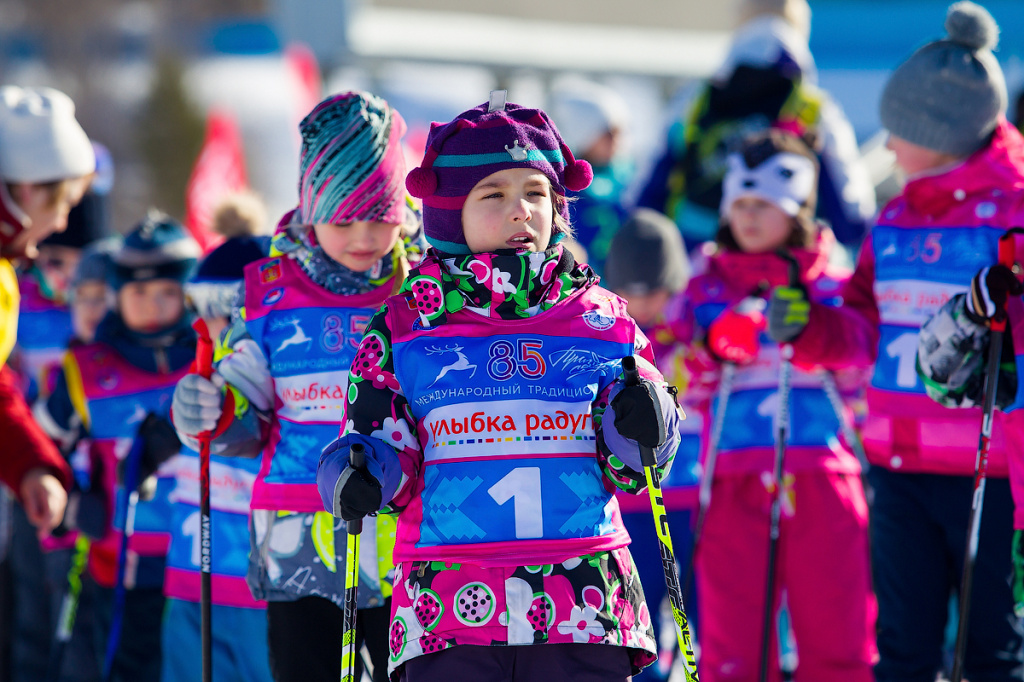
(928, 243)
(747, 443)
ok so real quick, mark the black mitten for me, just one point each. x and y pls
(638, 414)
(359, 494)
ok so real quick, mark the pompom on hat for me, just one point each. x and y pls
(351, 166)
(950, 94)
(492, 137)
(213, 289)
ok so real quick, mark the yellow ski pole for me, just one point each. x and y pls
(668, 557)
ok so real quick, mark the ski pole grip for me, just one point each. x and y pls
(204, 349)
(1008, 246)
(632, 378)
(1007, 257)
(356, 460)
(629, 371)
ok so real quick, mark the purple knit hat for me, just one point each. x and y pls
(352, 165)
(484, 140)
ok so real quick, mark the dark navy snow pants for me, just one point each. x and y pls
(918, 536)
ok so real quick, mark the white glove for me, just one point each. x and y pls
(247, 369)
(197, 404)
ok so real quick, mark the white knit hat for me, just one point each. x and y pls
(40, 139)
(584, 111)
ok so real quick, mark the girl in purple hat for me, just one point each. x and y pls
(488, 397)
(280, 389)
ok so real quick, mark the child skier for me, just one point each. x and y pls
(117, 392)
(334, 261)
(66, 551)
(46, 165)
(488, 398)
(768, 204)
(594, 119)
(89, 292)
(240, 622)
(45, 319)
(944, 109)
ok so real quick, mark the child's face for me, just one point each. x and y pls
(46, 209)
(914, 159)
(152, 305)
(510, 209)
(604, 149)
(758, 226)
(359, 245)
(58, 264)
(89, 305)
(645, 308)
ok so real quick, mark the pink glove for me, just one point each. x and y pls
(734, 335)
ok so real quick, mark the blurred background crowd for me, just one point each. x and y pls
(151, 78)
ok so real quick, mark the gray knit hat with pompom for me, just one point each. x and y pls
(948, 96)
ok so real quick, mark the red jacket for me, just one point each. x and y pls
(23, 445)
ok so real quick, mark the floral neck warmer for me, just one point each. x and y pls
(299, 243)
(506, 284)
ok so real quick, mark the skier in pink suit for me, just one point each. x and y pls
(822, 565)
(489, 399)
(944, 108)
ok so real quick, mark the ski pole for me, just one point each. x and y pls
(668, 559)
(708, 475)
(781, 434)
(357, 460)
(1007, 256)
(69, 607)
(828, 383)
(126, 515)
(204, 366)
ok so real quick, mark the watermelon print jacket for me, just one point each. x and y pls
(508, 531)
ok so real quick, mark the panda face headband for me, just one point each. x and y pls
(784, 179)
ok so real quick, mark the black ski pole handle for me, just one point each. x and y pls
(356, 460)
(632, 378)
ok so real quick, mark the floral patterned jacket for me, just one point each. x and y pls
(596, 598)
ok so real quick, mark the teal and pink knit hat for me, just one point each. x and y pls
(351, 166)
(489, 138)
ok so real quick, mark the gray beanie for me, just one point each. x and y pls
(948, 96)
(646, 255)
(95, 264)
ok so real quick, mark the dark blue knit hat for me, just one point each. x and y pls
(214, 288)
(158, 248)
(87, 223)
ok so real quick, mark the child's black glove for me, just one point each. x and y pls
(638, 414)
(990, 289)
(159, 443)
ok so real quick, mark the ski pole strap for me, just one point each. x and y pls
(724, 391)
(828, 383)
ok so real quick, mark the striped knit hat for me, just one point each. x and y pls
(351, 167)
(489, 138)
